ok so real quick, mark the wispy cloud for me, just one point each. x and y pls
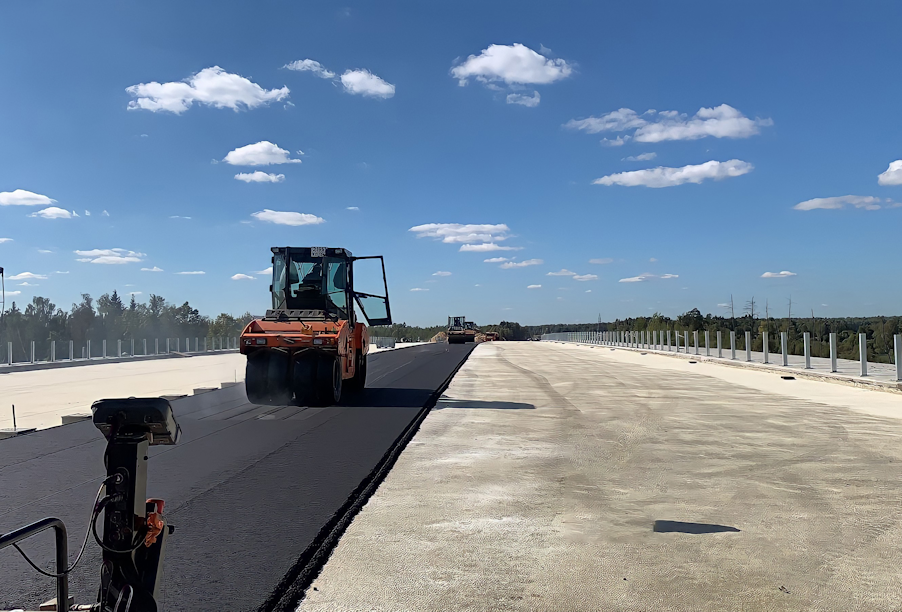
(2, 240)
(312, 66)
(534, 286)
(722, 121)
(53, 212)
(521, 264)
(242, 277)
(487, 247)
(110, 256)
(458, 232)
(287, 217)
(495, 259)
(585, 277)
(524, 100)
(441, 273)
(353, 208)
(27, 276)
(783, 274)
(671, 177)
(259, 177)
(562, 272)
(153, 269)
(835, 203)
(419, 289)
(642, 157)
(211, 87)
(647, 277)
(191, 273)
(601, 261)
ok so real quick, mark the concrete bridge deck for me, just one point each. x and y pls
(564, 477)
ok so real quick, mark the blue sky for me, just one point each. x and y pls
(501, 117)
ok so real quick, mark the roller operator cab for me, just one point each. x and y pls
(310, 345)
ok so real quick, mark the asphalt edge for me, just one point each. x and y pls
(292, 588)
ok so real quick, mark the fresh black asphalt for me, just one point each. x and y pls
(248, 488)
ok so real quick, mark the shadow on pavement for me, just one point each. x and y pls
(693, 528)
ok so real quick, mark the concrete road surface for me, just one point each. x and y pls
(561, 477)
(248, 488)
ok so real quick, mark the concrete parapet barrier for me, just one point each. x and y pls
(200, 390)
(13, 432)
(74, 418)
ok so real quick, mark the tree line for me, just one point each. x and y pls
(107, 318)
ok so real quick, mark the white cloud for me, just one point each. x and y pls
(441, 273)
(353, 208)
(604, 260)
(865, 202)
(588, 291)
(263, 153)
(87, 213)
(104, 214)
(27, 284)
(585, 277)
(616, 142)
(20, 197)
(534, 286)
(487, 247)
(892, 175)
(521, 264)
(179, 217)
(524, 100)
(419, 289)
(653, 259)
(495, 259)
(42, 251)
(266, 272)
(457, 232)
(562, 272)
(309, 65)
(512, 64)
(211, 86)
(259, 177)
(287, 217)
(242, 277)
(191, 273)
(135, 292)
(58, 272)
(642, 157)
(722, 121)
(13, 293)
(670, 177)
(783, 274)
(365, 83)
(2, 240)
(110, 256)
(53, 212)
(153, 269)
(647, 277)
(27, 276)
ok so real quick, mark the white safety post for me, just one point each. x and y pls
(52, 351)
(668, 340)
(71, 350)
(167, 346)
(9, 353)
(104, 349)
(863, 353)
(145, 347)
(132, 353)
(784, 347)
(654, 339)
(732, 344)
(765, 344)
(695, 340)
(178, 345)
(719, 347)
(677, 337)
(748, 346)
(832, 351)
(119, 348)
(32, 351)
(707, 344)
(897, 348)
(807, 337)
(88, 351)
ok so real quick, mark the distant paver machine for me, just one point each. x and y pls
(310, 345)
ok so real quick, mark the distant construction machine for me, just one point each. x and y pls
(310, 346)
(460, 330)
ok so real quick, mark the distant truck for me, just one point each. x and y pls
(492, 336)
(460, 330)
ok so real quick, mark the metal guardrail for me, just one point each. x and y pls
(382, 342)
(62, 552)
(655, 340)
(120, 349)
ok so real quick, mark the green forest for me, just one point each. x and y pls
(110, 318)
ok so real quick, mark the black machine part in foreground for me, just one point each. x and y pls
(134, 533)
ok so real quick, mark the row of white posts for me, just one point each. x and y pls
(655, 340)
(224, 344)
